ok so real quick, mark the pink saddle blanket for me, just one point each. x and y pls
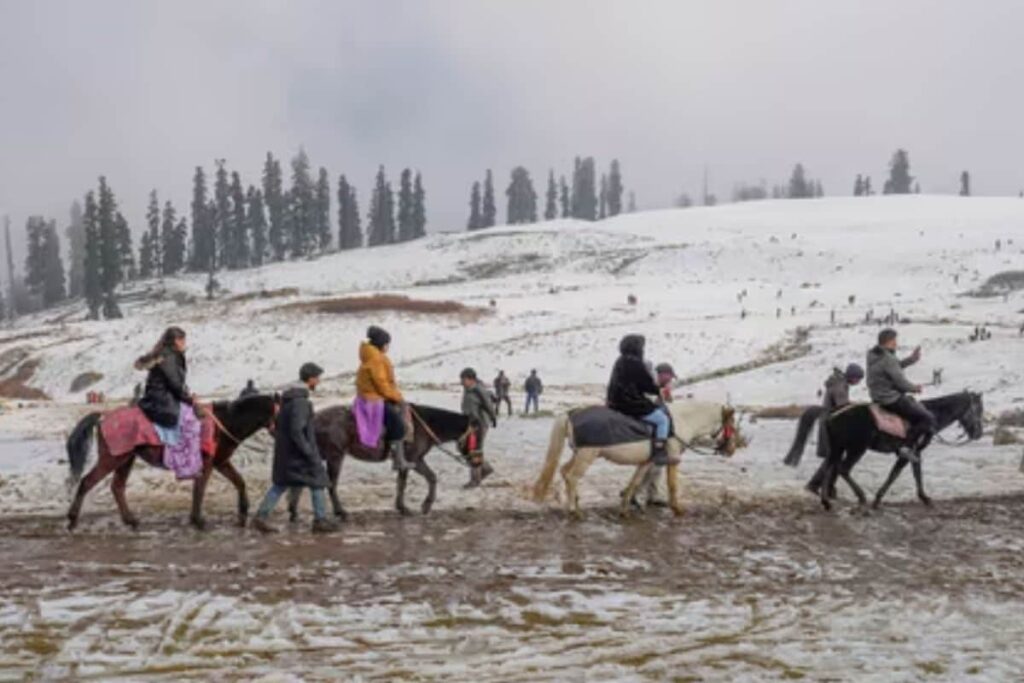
(125, 429)
(889, 423)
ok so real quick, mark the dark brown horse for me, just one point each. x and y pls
(336, 437)
(238, 420)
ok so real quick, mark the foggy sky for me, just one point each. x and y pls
(143, 91)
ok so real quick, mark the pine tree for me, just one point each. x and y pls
(273, 197)
(92, 277)
(145, 256)
(602, 207)
(52, 287)
(476, 220)
(76, 252)
(522, 199)
(203, 242)
(631, 208)
(858, 186)
(488, 209)
(382, 212)
(798, 185)
(239, 226)
(172, 242)
(867, 187)
(900, 181)
(303, 209)
(563, 197)
(124, 250)
(350, 232)
(584, 199)
(965, 184)
(256, 222)
(615, 189)
(111, 262)
(35, 259)
(223, 223)
(419, 207)
(12, 307)
(405, 223)
(551, 198)
(155, 257)
(322, 217)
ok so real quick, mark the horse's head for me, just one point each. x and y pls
(255, 412)
(972, 419)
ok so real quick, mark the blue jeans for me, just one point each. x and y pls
(659, 418)
(275, 492)
(535, 400)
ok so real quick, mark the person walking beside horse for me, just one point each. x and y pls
(476, 405)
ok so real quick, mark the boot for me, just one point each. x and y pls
(659, 452)
(323, 525)
(261, 525)
(474, 477)
(398, 461)
(485, 471)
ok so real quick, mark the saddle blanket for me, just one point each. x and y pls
(601, 426)
(889, 423)
(125, 429)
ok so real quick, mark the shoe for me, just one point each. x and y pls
(909, 454)
(485, 471)
(398, 461)
(659, 452)
(474, 478)
(261, 525)
(324, 526)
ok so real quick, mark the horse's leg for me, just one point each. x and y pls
(428, 474)
(105, 464)
(235, 477)
(199, 492)
(639, 478)
(334, 472)
(403, 479)
(672, 473)
(852, 458)
(572, 473)
(117, 487)
(894, 474)
(919, 479)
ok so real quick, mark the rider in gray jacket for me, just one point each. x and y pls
(890, 388)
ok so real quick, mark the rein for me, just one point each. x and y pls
(223, 429)
(436, 441)
(700, 450)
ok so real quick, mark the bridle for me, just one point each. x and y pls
(437, 441)
(723, 436)
(965, 437)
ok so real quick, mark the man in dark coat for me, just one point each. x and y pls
(477, 406)
(837, 395)
(297, 462)
(502, 386)
(533, 388)
(629, 391)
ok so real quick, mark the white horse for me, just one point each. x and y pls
(692, 420)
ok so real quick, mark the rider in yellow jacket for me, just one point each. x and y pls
(375, 381)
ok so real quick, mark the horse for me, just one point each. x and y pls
(691, 419)
(236, 421)
(852, 432)
(336, 437)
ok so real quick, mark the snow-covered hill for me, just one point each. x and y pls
(559, 293)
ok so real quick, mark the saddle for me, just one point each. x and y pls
(887, 422)
(125, 429)
(601, 426)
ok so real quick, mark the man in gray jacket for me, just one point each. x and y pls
(890, 388)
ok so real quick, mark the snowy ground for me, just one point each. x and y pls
(559, 291)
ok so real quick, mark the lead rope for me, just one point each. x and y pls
(436, 441)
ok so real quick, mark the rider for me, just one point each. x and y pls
(477, 406)
(837, 395)
(165, 389)
(628, 390)
(890, 388)
(375, 381)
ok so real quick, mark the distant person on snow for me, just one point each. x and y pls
(534, 388)
(476, 405)
(629, 389)
(502, 386)
(297, 461)
(375, 381)
(248, 390)
(890, 388)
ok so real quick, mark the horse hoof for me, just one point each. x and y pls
(293, 516)
(877, 505)
(927, 501)
(425, 508)
(72, 522)
(341, 515)
(199, 523)
(678, 511)
(242, 521)
(404, 511)
(132, 523)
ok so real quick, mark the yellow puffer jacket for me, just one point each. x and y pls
(375, 380)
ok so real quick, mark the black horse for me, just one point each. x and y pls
(336, 437)
(852, 432)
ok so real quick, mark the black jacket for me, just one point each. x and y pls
(166, 389)
(631, 384)
(296, 456)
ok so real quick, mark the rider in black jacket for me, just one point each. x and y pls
(629, 391)
(166, 388)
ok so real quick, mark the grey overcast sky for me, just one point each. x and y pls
(144, 90)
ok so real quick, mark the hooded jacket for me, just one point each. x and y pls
(296, 456)
(165, 388)
(375, 380)
(631, 383)
(886, 381)
(837, 391)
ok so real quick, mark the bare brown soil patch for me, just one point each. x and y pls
(281, 293)
(385, 302)
(16, 385)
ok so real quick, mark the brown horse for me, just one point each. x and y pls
(336, 437)
(238, 420)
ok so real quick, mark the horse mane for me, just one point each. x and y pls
(446, 424)
(245, 414)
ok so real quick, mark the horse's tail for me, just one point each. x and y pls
(79, 443)
(559, 433)
(803, 432)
